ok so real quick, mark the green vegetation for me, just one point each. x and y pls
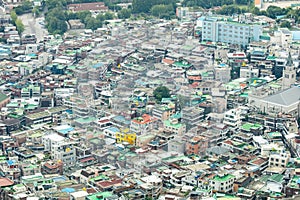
(20, 26)
(17, 22)
(232, 9)
(285, 24)
(56, 20)
(206, 4)
(163, 11)
(13, 16)
(25, 7)
(57, 16)
(36, 11)
(124, 14)
(294, 14)
(166, 7)
(161, 92)
(273, 11)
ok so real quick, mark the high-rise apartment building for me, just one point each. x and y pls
(224, 30)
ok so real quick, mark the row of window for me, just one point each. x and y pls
(277, 165)
(277, 160)
(224, 33)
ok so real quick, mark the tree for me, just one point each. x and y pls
(255, 11)
(56, 21)
(285, 24)
(230, 10)
(25, 7)
(274, 11)
(161, 92)
(92, 23)
(124, 14)
(206, 4)
(51, 4)
(162, 11)
(13, 16)
(82, 15)
(144, 6)
(20, 26)
(108, 15)
(242, 2)
(36, 11)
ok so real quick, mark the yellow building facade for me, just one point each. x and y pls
(126, 136)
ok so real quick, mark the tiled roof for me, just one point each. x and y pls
(4, 182)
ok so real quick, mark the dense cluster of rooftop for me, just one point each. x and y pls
(79, 119)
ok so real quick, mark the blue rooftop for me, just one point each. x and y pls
(68, 190)
(98, 65)
(140, 82)
(67, 130)
(11, 162)
(113, 129)
(69, 111)
(296, 35)
(59, 179)
(32, 55)
(121, 119)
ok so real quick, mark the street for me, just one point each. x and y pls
(32, 26)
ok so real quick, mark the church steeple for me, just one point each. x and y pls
(289, 61)
(289, 73)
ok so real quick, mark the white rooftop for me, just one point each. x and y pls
(79, 194)
(54, 137)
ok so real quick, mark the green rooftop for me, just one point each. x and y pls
(276, 177)
(173, 125)
(101, 177)
(249, 126)
(182, 64)
(85, 120)
(274, 135)
(3, 97)
(99, 196)
(294, 182)
(271, 57)
(223, 178)
(255, 82)
(31, 87)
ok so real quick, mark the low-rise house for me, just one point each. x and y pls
(76, 24)
(222, 183)
(174, 126)
(197, 145)
(51, 167)
(143, 124)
